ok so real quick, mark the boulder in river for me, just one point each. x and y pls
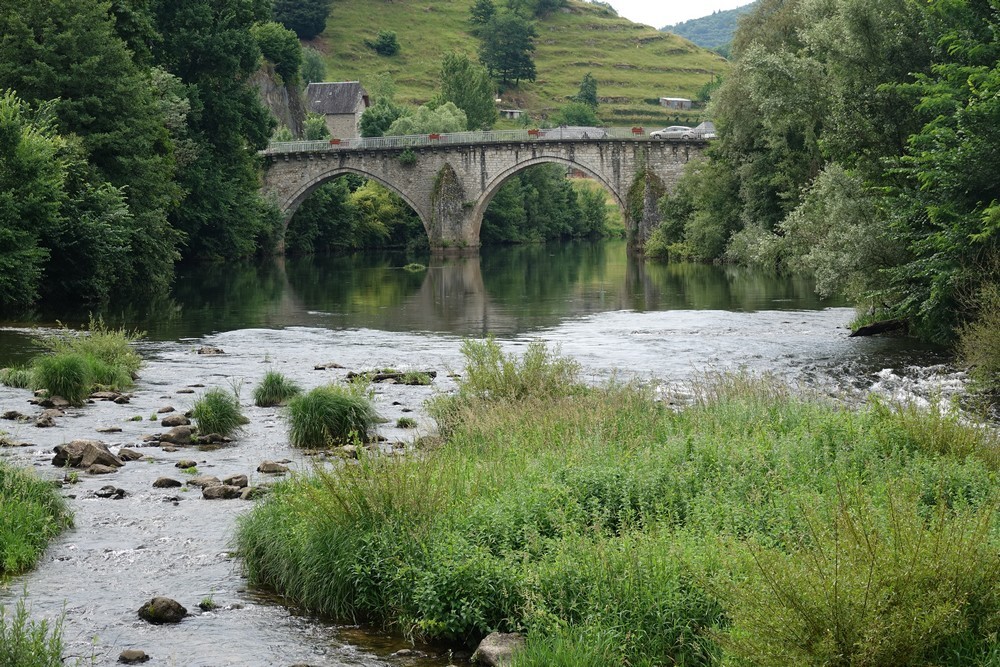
(111, 492)
(272, 468)
(498, 648)
(162, 610)
(166, 483)
(126, 454)
(205, 481)
(176, 419)
(208, 349)
(179, 435)
(236, 480)
(98, 469)
(221, 492)
(85, 453)
(132, 656)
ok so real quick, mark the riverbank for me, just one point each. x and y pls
(757, 524)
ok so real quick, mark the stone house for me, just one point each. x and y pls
(675, 102)
(341, 103)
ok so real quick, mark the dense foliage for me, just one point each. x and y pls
(33, 513)
(306, 17)
(144, 117)
(469, 87)
(848, 134)
(507, 45)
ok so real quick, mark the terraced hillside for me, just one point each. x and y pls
(634, 65)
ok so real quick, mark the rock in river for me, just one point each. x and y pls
(162, 610)
(85, 453)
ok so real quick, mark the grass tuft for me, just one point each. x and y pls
(274, 389)
(218, 411)
(330, 415)
(67, 375)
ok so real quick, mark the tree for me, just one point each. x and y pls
(68, 50)
(445, 118)
(315, 127)
(481, 14)
(377, 118)
(588, 91)
(508, 42)
(468, 85)
(281, 47)
(313, 68)
(209, 46)
(306, 17)
(576, 113)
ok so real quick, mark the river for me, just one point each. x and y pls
(618, 317)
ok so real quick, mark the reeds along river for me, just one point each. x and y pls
(616, 316)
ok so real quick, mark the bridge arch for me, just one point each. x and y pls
(292, 203)
(494, 185)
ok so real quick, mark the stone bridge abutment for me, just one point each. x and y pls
(450, 185)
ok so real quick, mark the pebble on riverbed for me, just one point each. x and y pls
(132, 657)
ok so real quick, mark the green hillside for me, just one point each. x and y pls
(711, 31)
(634, 64)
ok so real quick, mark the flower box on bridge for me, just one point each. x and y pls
(434, 135)
(638, 130)
(535, 133)
(334, 142)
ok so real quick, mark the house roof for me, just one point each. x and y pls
(330, 97)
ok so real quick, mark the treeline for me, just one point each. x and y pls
(858, 141)
(128, 140)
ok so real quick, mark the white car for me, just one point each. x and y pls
(673, 132)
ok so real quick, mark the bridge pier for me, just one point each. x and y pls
(452, 223)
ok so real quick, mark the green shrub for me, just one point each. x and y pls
(979, 343)
(17, 377)
(416, 378)
(218, 411)
(406, 422)
(33, 513)
(67, 375)
(330, 415)
(492, 375)
(274, 389)
(384, 44)
(27, 643)
(870, 583)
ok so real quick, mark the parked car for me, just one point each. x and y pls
(673, 132)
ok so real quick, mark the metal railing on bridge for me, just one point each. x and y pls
(466, 138)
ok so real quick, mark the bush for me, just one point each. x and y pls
(112, 346)
(385, 43)
(33, 513)
(218, 411)
(274, 389)
(330, 415)
(492, 375)
(870, 584)
(25, 643)
(979, 343)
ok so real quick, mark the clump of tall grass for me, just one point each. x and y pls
(601, 525)
(77, 363)
(67, 375)
(330, 414)
(33, 513)
(17, 377)
(218, 411)
(274, 389)
(492, 376)
(27, 643)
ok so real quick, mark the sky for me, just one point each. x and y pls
(659, 13)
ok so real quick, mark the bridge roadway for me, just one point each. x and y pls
(450, 179)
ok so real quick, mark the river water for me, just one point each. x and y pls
(616, 316)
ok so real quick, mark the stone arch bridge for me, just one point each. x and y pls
(450, 179)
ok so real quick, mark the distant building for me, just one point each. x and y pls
(511, 114)
(675, 102)
(341, 103)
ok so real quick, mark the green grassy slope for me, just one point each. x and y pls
(634, 64)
